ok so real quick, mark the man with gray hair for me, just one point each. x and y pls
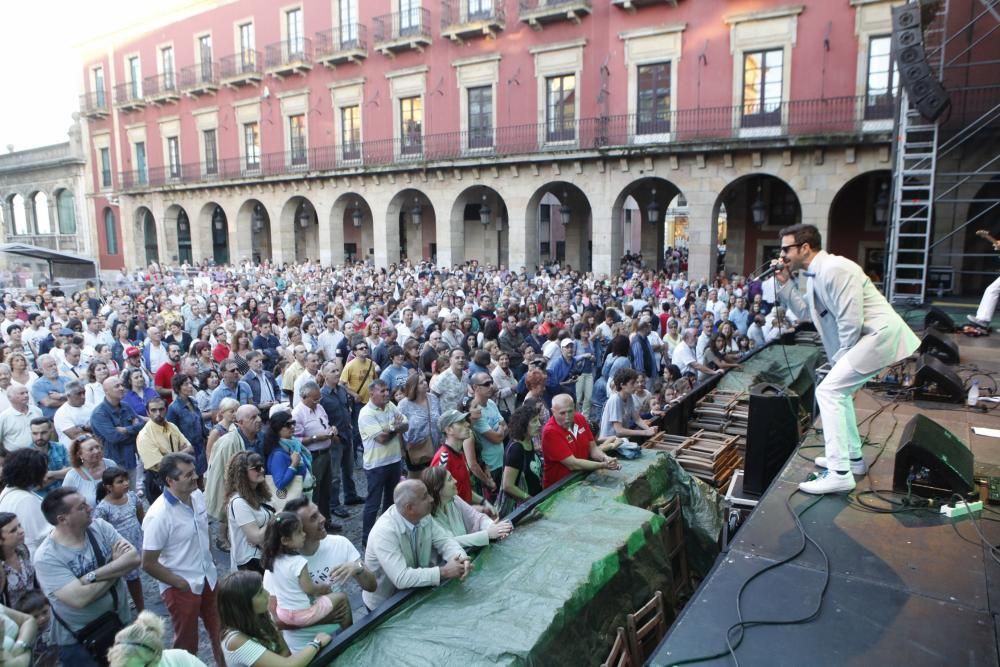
(312, 427)
(405, 543)
(15, 421)
(5, 380)
(380, 425)
(72, 419)
(685, 356)
(294, 370)
(49, 391)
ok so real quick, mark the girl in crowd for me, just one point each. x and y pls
(207, 382)
(120, 507)
(227, 417)
(469, 526)
(137, 394)
(522, 471)
(97, 373)
(247, 510)
(142, 644)
(241, 348)
(617, 359)
(286, 457)
(422, 410)
(18, 571)
(249, 636)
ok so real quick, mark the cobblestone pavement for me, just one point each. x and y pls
(352, 530)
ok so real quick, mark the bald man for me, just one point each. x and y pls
(405, 544)
(569, 445)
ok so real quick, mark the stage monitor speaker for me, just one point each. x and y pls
(940, 320)
(938, 382)
(942, 348)
(931, 462)
(772, 435)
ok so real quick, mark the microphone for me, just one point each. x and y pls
(769, 271)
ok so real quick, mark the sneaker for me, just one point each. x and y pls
(858, 466)
(340, 512)
(828, 482)
(355, 500)
(979, 323)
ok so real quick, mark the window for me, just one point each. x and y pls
(135, 78)
(105, 167)
(174, 157)
(882, 81)
(211, 151)
(167, 66)
(348, 22)
(293, 27)
(142, 175)
(481, 117)
(205, 57)
(99, 87)
(479, 9)
(409, 17)
(762, 79)
(560, 108)
(110, 232)
(251, 146)
(350, 132)
(248, 57)
(297, 139)
(411, 122)
(66, 211)
(653, 105)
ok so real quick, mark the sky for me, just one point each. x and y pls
(40, 72)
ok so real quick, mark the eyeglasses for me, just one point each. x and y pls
(258, 467)
(786, 248)
(488, 383)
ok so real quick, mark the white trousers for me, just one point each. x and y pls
(988, 305)
(835, 397)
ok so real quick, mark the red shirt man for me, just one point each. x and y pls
(568, 444)
(165, 373)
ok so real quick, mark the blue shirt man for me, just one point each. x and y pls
(116, 425)
(49, 391)
(231, 386)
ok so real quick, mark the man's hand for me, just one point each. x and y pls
(340, 574)
(500, 530)
(782, 275)
(454, 568)
(119, 549)
(182, 585)
(611, 464)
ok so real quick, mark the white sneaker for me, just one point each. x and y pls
(859, 467)
(828, 482)
(978, 322)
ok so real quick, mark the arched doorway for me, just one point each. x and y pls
(561, 213)
(352, 214)
(857, 228)
(482, 214)
(300, 214)
(642, 207)
(756, 206)
(414, 220)
(253, 216)
(185, 255)
(146, 228)
(220, 236)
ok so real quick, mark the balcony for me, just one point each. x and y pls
(466, 19)
(161, 89)
(538, 12)
(632, 5)
(342, 45)
(128, 96)
(402, 32)
(200, 79)
(294, 56)
(94, 105)
(241, 69)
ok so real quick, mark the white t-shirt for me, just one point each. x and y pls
(333, 551)
(241, 514)
(28, 508)
(67, 417)
(282, 581)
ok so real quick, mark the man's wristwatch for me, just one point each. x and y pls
(361, 568)
(90, 577)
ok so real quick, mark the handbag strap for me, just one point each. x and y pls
(99, 557)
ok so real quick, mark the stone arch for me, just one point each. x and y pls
(40, 214)
(653, 197)
(489, 243)
(748, 242)
(351, 229)
(254, 218)
(299, 215)
(65, 211)
(410, 226)
(574, 234)
(178, 232)
(859, 214)
(211, 235)
(145, 231)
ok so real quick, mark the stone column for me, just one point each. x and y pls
(703, 236)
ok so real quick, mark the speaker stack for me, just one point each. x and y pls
(925, 91)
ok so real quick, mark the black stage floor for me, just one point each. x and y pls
(910, 588)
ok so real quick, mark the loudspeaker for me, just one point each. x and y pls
(932, 462)
(906, 17)
(772, 435)
(934, 102)
(942, 348)
(926, 92)
(940, 320)
(937, 382)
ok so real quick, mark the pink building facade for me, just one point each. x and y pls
(508, 131)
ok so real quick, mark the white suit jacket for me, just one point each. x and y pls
(853, 319)
(389, 555)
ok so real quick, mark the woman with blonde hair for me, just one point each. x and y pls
(142, 644)
(227, 417)
(247, 510)
(20, 371)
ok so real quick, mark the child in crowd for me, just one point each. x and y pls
(120, 507)
(36, 604)
(300, 602)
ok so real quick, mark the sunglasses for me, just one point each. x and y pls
(488, 383)
(258, 467)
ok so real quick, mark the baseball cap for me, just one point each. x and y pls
(66, 331)
(451, 417)
(132, 351)
(566, 342)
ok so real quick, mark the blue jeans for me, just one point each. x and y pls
(342, 462)
(76, 655)
(381, 485)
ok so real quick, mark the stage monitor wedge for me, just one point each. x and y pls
(940, 320)
(936, 382)
(932, 462)
(936, 345)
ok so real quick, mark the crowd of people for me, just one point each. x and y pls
(141, 421)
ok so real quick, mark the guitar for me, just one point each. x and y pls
(982, 233)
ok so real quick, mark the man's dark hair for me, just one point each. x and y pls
(154, 400)
(170, 468)
(54, 503)
(804, 234)
(396, 351)
(25, 468)
(253, 354)
(38, 421)
(295, 504)
(624, 375)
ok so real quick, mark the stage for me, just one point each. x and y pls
(909, 588)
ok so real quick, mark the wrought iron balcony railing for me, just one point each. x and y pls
(94, 104)
(203, 76)
(342, 44)
(409, 25)
(161, 86)
(289, 55)
(128, 95)
(457, 13)
(241, 67)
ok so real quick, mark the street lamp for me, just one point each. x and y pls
(485, 214)
(417, 212)
(564, 210)
(356, 215)
(182, 221)
(882, 205)
(757, 210)
(217, 216)
(303, 215)
(653, 210)
(258, 218)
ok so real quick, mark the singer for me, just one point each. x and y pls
(861, 333)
